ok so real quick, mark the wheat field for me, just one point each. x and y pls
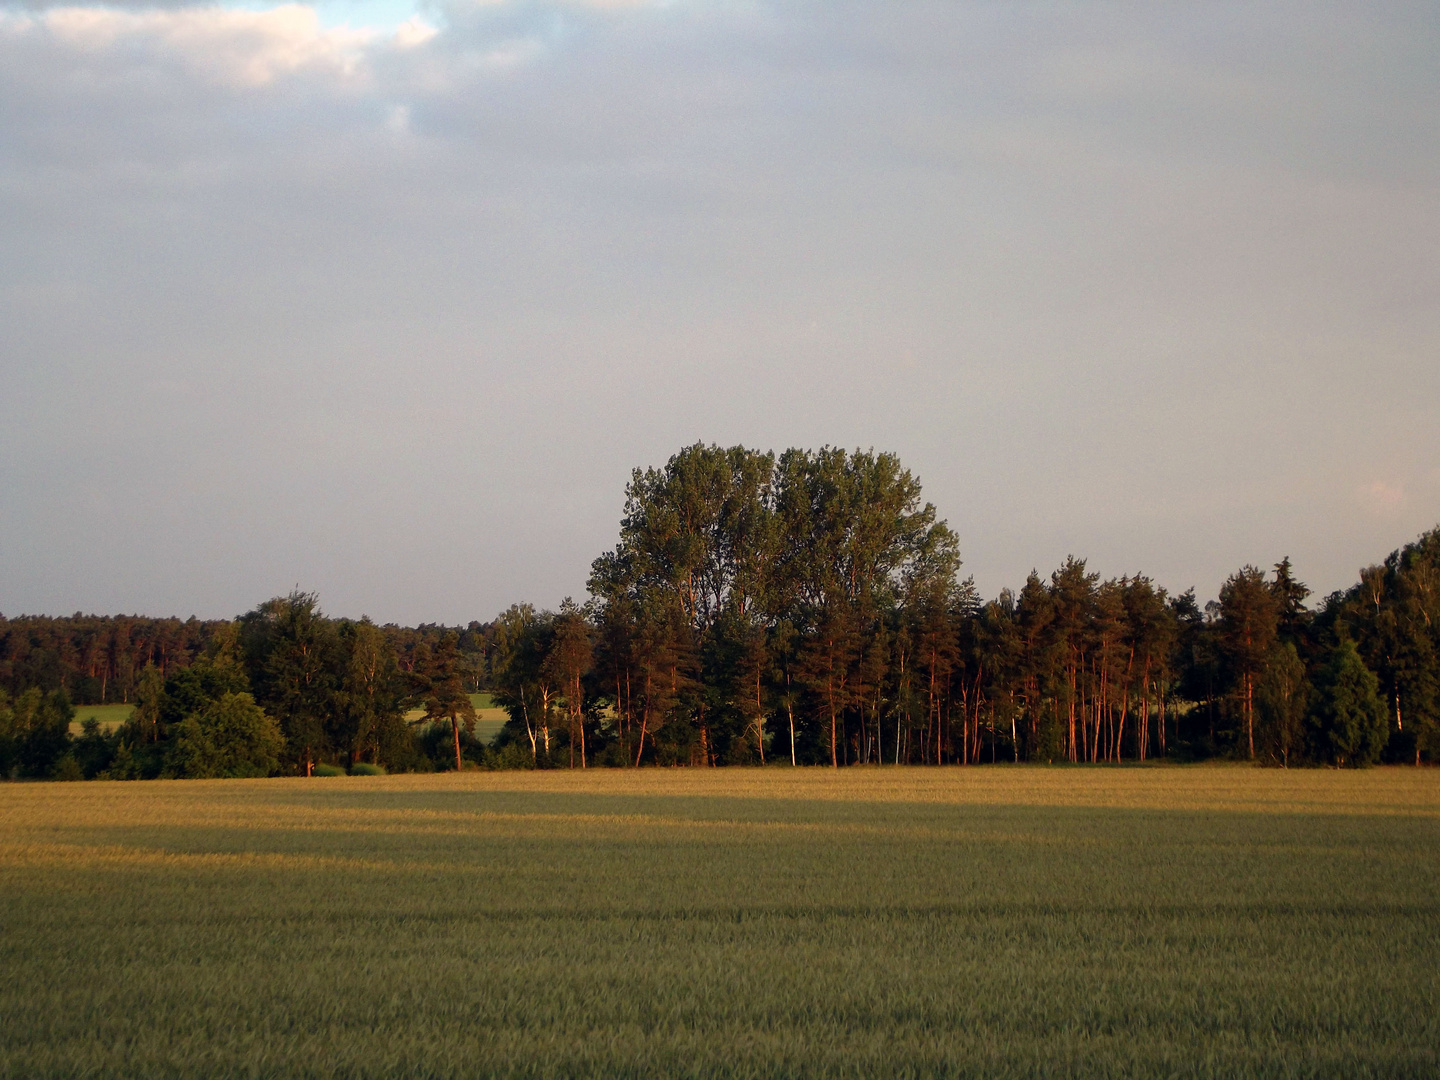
(1212, 921)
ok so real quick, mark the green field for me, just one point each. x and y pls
(1001, 921)
(489, 718)
(110, 716)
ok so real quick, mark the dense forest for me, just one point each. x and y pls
(804, 609)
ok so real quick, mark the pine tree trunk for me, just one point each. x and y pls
(1250, 713)
(579, 723)
(790, 710)
(644, 721)
(759, 718)
(1074, 689)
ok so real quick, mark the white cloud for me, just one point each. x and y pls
(413, 32)
(255, 48)
(574, 5)
(243, 48)
(237, 48)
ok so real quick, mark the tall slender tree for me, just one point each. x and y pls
(1249, 621)
(440, 681)
(568, 661)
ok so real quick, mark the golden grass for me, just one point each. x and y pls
(1216, 788)
(1207, 921)
(1208, 787)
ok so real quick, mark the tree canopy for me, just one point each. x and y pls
(804, 607)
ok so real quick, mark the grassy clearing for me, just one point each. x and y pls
(110, 716)
(1109, 922)
(489, 717)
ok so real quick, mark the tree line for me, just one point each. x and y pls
(98, 659)
(804, 608)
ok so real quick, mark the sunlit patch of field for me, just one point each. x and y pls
(489, 718)
(109, 716)
(1010, 921)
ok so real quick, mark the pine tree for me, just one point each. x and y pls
(1249, 621)
(1351, 716)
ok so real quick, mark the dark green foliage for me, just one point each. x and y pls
(192, 690)
(94, 752)
(1350, 718)
(145, 722)
(1283, 699)
(1393, 616)
(439, 682)
(566, 664)
(95, 659)
(746, 588)
(229, 737)
(337, 685)
(131, 763)
(66, 768)
(1249, 619)
(35, 734)
(434, 750)
(524, 683)
(293, 656)
(802, 608)
(141, 748)
(9, 736)
(371, 699)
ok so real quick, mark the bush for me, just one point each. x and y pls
(364, 768)
(125, 765)
(510, 756)
(742, 750)
(323, 769)
(67, 768)
(94, 750)
(613, 756)
(232, 737)
(42, 724)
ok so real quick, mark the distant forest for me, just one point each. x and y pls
(804, 609)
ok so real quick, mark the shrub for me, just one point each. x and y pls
(42, 726)
(512, 755)
(125, 765)
(323, 769)
(364, 768)
(94, 750)
(67, 768)
(231, 736)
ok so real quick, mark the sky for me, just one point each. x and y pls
(386, 301)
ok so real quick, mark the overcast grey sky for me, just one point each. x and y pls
(387, 301)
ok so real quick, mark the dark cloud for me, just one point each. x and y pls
(394, 319)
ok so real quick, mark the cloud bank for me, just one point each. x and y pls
(391, 310)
